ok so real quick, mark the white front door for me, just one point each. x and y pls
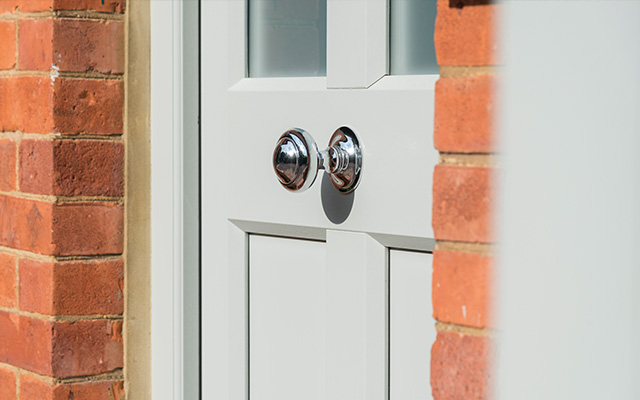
(319, 294)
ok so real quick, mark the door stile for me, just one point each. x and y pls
(235, 18)
(238, 328)
(236, 50)
(357, 317)
(357, 32)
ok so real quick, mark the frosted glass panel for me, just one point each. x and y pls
(287, 38)
(412, 51)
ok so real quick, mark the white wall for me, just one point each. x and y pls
(569, 229)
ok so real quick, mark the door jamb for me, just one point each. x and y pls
(174, 121)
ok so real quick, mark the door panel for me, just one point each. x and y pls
(398, 152)
(286, 319)
(412, 329)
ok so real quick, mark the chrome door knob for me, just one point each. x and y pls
(296, 160)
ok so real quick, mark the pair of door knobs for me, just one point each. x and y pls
(296, 160)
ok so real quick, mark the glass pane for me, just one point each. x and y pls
(412, 23)
(287, 38)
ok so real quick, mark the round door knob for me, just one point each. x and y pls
(343, 160)
(296, 159)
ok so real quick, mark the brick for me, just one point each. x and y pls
(464, 32)
(88, 228)
(462, 291)
(36, 166)
(463, 119)
(88, 106)
(7, 44)
(34, 5)
(462, 203)
(461, 367)
(37, 104)
(89, 168)
(61, 229)
(26, 224)
(72, 167)
(73, 45)
(26, 103)
(7, 7)
(110, 6)
(26, 342)
(10, 6)
(87, 347)
(7, 384)
(72, 288)
(7, 281)
(7, 165)
(89, 45)
(36, 286)
(32, 388)
(34, 44)
(61, 349)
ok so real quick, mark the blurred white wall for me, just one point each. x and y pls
(569, 218)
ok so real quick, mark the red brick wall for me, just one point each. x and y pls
(61, 199)
(462, 200)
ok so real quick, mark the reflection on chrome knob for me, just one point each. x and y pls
(296, 160)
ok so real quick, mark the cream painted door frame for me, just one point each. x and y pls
(174, 199)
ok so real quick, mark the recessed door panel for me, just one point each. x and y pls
(286, 319)
(412, 327)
